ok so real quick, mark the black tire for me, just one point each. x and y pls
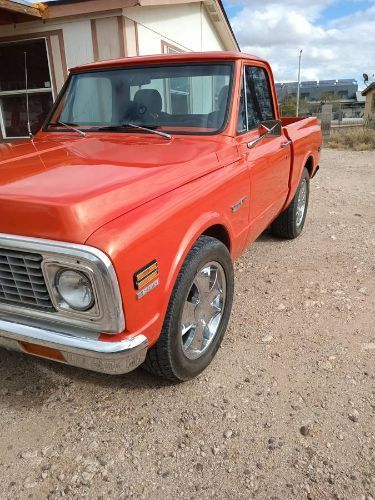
(286, 226)
(167, 357)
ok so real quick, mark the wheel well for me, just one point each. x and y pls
(220, 233)
(310, 165)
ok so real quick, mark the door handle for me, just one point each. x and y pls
(285, 144)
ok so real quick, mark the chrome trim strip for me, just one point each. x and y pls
(109, 319)
(106, 357)
(245, 95)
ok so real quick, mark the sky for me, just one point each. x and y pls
(337, 36)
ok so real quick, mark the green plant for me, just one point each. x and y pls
(288, 107)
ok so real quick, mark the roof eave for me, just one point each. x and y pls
(367, 90)
(232, 35)
(19, 11)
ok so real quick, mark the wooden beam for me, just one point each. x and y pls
(19, 8)
(83, 7)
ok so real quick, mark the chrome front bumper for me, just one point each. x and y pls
(82, 351)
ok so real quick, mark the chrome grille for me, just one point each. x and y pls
(22, 281)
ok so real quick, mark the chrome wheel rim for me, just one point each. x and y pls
(203, 310)
(301, 202)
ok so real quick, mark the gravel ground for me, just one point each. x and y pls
(285, 411)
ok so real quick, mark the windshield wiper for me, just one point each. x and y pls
(70, 127)
(132, 125)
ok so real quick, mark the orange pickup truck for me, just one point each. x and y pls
(121, 218)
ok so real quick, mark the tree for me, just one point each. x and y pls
(288, 106)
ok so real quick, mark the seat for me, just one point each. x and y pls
(147, 106)
(216, 118)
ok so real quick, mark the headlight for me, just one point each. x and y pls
(75, 289)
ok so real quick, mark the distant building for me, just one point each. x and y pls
(343, 92)
(57, 35)
(318, 91)
(369, 95)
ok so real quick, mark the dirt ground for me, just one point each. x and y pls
(285, 411)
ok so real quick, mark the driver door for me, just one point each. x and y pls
(269, 160)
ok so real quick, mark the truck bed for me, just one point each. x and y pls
(305, 135)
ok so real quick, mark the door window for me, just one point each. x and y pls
(256, 103)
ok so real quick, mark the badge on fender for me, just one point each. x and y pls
(147, 289)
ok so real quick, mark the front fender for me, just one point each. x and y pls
(165, 229)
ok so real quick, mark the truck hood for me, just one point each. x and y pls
(64, 188)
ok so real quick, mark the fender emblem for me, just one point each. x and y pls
(145, 275)
(239, 204)
(147, 289)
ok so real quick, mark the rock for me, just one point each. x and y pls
(281, 307)
(267, 339)
(354, 416)
(305, 430)
(29, 483)
(199, 467)
(326, 365)
(369, 346)
(86, 478)
(228, 434)
(27, 455)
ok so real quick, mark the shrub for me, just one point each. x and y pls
(358, 139)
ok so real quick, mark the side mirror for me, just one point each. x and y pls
(269, 128)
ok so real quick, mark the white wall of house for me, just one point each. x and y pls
(77, 41)
(145, 30)
(186, 26)
(141, 30)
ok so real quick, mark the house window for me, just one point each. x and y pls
(178, 90)
(167, 48)
(13, 96)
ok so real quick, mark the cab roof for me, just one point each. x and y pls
(165, 58)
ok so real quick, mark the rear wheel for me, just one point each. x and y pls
(290, 222)
(197, 315)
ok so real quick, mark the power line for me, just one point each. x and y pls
(160, 34)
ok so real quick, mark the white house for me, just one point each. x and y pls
(51, 37)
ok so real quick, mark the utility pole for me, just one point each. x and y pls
(299, 81)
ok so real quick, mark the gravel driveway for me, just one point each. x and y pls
(285, 411)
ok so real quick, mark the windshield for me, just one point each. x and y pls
(193, 98)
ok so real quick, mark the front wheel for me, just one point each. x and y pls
(197, 315)
(290, 222)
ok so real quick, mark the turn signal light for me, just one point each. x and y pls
(44, 352)
(145, 275)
